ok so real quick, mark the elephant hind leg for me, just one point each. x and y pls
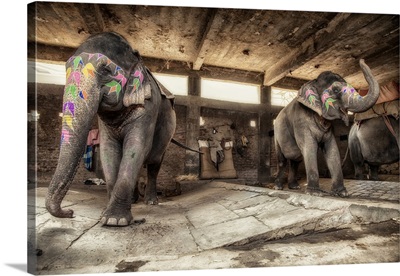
(292, 177)
(282, 161)
(373, 172)
(150, 195)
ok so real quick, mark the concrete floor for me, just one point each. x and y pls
(219, 225)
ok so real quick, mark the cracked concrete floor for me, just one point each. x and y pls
(215, 226)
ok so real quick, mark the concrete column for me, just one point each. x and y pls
(192, 162)
(265, 138)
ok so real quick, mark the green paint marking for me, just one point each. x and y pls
(133, 155)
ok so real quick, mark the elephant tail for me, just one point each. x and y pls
(345, 156)
(184, 146)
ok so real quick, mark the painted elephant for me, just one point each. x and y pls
(374, 142)
(304, 126)
(105, 76)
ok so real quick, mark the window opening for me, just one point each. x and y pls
(177, 85)
(230, 91)
(282, 97)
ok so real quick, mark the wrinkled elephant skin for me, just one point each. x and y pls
(304, 125)
(136, 119)
(371, 142)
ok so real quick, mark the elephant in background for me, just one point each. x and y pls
(304, 126)
(105, 76)
(374, 141)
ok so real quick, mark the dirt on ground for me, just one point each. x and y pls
(259, 253)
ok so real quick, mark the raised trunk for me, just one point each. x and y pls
(80, 104)
(357, 103)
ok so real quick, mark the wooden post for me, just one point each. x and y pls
(192, 162)
(265, 128)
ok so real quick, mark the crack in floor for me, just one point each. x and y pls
(83, 233)
(190, 226)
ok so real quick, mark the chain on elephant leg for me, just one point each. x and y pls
(279, 182)
(339, 190)
(313, 184)
(315, 191)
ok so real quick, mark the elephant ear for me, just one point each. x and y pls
(309, 97)
(138, 86)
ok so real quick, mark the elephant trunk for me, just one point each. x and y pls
(357, 103)
(80, 104)
(68, 161)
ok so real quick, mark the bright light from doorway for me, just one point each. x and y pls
(230, 91)
(177, 85)
(281, 97)
(55, 74)
(46, 73)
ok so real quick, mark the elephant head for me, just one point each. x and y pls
(331, 96)
(105, 75)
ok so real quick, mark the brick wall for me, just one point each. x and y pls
(229, 125)
(173, 164)
(48, 103)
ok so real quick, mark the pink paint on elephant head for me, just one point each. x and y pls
(121, 78)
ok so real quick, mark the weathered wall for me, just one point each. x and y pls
(48, 102)
(173, 164)
(229, 124)
(232, 125)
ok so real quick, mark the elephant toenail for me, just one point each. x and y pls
(123, 222)
(103, 220)
(112, 221)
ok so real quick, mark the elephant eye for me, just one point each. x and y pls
(104, 70)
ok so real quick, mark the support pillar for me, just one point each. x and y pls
(265, 137)
(192, 160)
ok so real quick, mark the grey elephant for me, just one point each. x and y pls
(304, 126)
(374, 141)
(105, 76)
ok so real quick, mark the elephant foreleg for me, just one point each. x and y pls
(110, 155)
(118, 211)
(309, 152)
(332, 157)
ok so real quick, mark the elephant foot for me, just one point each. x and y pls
(116, 218)
(151, 201)
(278, 184)
(341, 192)
(294, 185)
(315, 191)
(278, 187)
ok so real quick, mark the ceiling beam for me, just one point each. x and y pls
(59, 55)
(49, 53)
(309, 49)
(91, 15)
(210, 30)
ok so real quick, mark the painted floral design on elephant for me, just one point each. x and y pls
(311, 96)
(327, 99)
(80, 70)
(137, 80)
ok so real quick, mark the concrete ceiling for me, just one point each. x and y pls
(278, 48)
